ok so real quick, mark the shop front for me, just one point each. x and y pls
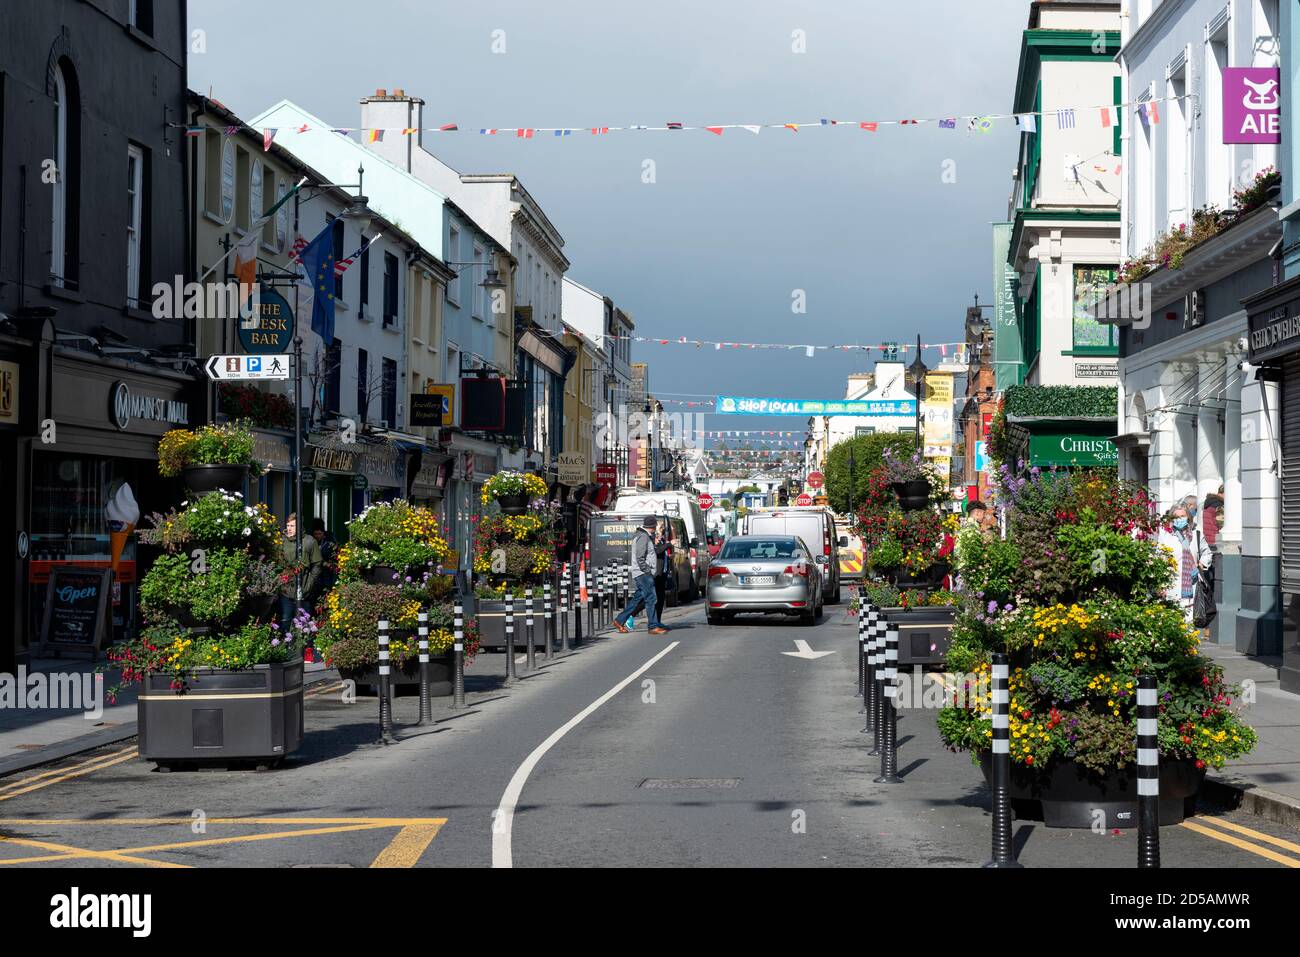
(274, 487)
(328, 477)
(1274, 346)
(98, 442)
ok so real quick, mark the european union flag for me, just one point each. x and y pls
(317, 260)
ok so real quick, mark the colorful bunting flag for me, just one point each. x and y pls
(1028, 122)
(268, 135)
(674, 126)
(714, 129)
(869, 127)
(304, 128)
(948, 124)
(599, 130)
(526, 134)
(1065, 119)
(486, 132)
(1109, 116)
(448, 128)
(753, 129)
(193, 131)
(376, 136)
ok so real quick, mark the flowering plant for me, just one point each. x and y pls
(513, 483)
(230, 443)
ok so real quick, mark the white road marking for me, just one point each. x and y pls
(505, 814)
(804, 650)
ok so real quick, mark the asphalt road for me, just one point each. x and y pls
(708, 746)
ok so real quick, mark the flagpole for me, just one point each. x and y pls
(253, 227)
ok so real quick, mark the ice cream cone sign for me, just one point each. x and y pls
(120, 514)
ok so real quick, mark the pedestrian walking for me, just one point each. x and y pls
(1190, 551)
(664, 567)
(643, 568)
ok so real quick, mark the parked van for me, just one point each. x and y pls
(683, 505)
(609, 541)
(816, 526)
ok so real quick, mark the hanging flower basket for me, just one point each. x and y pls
(513, 504)
(200, 479)
(913, 495)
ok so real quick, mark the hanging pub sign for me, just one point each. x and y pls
(76, 609)
(1251, 113)
(271, 327)
(426, 409)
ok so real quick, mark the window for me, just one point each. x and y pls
(1176, 150)
(390, 393)
(363, 391)
(477, 290)
(1090, 282)
(256, 206)
(337, 236)
(242, 186)
(139, 14)
(268, 189)
(364, 266)
(453, 256)
(134, 222)
(63, 213)
(390, 290)
(416, 296)
(334, 377)
(1218, 155)
(1144, 228)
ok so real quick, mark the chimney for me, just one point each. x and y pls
(393, 112)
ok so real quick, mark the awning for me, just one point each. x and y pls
(555, 359)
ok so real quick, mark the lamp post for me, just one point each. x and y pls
(917, 371)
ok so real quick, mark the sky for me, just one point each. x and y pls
(732, 228)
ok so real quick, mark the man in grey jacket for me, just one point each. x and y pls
(643, 568)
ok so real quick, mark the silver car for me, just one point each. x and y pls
(764, 573)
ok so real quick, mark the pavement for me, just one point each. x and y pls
(1266, 781)
(708, 746)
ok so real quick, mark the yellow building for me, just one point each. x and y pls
(579, 388)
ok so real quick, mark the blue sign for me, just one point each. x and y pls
(273, 329)
(741, 405)
(981, 456)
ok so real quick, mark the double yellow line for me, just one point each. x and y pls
(1225, 832)
(43, 780)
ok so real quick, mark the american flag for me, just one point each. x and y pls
(341, 265)
(299, 244)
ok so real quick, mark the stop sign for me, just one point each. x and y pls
(816, 480)
(706, 501)
(803, 499)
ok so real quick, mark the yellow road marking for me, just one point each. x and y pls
(45, 774)
(316, 692)
(404, 850)
(1251, 832)
(1237, 842)
(107, 763)
(67, 852)
(407, 846)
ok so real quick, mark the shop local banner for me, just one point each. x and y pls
(742, 405)
(1250, 105)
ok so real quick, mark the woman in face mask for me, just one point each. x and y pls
(1190, 551)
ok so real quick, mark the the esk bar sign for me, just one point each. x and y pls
(1250, 105)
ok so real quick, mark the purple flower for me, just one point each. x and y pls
(275, 642)
(993, 607)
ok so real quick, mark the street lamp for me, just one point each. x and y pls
(917, 371)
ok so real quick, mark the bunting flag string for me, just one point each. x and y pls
(959, 348)
(1065, 117)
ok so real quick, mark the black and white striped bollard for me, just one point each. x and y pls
(889, 717)
(548, 619)
(566, 592)
(458, 659)
(1004, 851)
(1148, 768)
(531, 661)
(385, 687)
(870, 619)
(862, 643)
(876, 665)
(512, 673)
(426, 707)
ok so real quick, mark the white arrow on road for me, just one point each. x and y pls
(805, 651)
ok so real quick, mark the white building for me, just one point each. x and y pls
(1192, 419)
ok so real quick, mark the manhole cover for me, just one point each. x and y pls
(715, 783)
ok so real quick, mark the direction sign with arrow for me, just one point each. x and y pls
(222, 368)
(806, 652)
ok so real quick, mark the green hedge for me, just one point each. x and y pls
(1061, 400)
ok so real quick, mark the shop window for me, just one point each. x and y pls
(390, 393)
(1090, 283)
(64, 189)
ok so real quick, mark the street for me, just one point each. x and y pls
(705, 747)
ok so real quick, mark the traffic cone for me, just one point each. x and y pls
(582, 581)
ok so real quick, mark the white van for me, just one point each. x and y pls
(816, 526)
(683, 504)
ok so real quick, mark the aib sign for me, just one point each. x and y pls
(1250, 105)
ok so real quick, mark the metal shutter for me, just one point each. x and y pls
(1291, 474)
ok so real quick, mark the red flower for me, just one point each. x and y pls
(1029, 759)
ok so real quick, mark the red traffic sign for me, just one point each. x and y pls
(816, 480)
(706, 501)
(803, 499)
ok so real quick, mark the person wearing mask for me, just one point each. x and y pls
(1191, 553)
(308, 568)
(644, 563)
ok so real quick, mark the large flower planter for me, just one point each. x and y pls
(516, 504)
(924, 633)
(441, 673)
(492, 624)
(1066, 794)
(253, 714)
(200, 479)
(912, 495)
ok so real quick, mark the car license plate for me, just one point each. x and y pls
(760, 579)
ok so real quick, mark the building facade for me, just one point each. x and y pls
(92, 214)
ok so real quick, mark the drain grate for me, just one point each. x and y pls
(682, 783)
